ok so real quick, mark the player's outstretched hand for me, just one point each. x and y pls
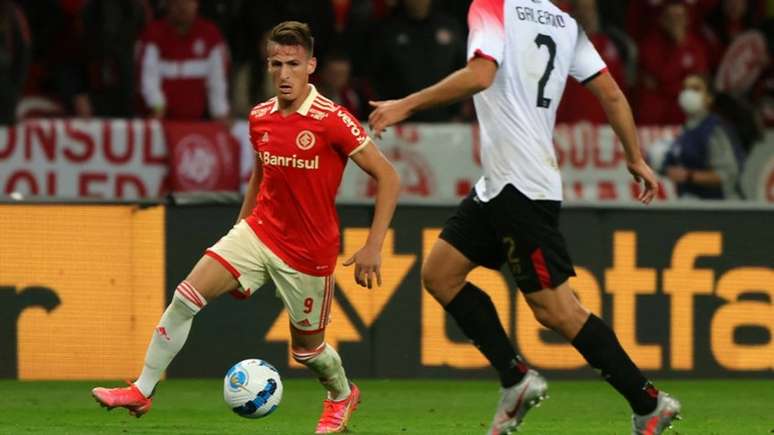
(642, 173)
(368, 262)
(386, 114)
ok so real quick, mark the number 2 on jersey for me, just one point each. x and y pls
(546, 40)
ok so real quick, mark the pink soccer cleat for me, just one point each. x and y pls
(335, 415)
(127, 397)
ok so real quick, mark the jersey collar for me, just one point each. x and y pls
(305, 106)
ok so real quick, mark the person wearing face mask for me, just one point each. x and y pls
(705, 160)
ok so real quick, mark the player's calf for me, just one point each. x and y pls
(342, 398)
(325, 362)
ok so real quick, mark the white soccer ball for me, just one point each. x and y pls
(252, 388)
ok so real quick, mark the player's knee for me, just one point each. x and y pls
(438, 284)
(187, 296)
(545, 317)
(564, 320)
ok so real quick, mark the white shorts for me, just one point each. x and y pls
(306, 297)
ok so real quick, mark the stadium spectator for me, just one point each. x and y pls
(335, 81)
(705, 160)
(15, 52)
(667, 57)
(643, 15)
(726, 21)
(112, 28)
(183, 62)
(256, 18)
(747, 71)
(578, 104)
(354, 22)
(55, 86)
(417, 35)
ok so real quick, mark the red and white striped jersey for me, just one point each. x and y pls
(185, 74)
(536, 46)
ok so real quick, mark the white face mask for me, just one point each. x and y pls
(692, 102)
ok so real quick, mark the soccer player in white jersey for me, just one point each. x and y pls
(520, 53)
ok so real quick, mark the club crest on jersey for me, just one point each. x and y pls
(265, 137)
(305, 140)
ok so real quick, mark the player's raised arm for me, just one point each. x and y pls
(367, 260)
(248, 204)
(486, 51)
(619, 114)
(476, 76)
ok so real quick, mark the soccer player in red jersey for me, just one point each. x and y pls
(287, 230)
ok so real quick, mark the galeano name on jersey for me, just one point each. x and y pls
(539, 16)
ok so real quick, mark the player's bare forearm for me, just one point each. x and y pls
(619, 114)
(387, 192)
(476, 76)
(387, 180)
(248, 204)
(367, 260)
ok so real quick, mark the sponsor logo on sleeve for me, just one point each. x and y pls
(354, 129)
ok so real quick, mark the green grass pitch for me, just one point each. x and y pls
(389, 407)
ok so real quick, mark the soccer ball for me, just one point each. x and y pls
(252, 388)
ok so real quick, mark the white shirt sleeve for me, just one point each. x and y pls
(217, 84)
(150, 77)
(486, 37)
(586, 62)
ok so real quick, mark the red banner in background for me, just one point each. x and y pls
(73, 158)
(204, 156)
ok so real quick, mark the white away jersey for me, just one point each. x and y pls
(536, 46)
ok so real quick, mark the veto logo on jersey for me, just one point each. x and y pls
(293, 161)
(353, 128)
(305, 140)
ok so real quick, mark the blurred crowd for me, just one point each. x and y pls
(189, 59)
(205, 59)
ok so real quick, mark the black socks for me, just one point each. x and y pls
(476, 316)
(598, 344)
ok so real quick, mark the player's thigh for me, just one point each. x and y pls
(307, 298)
(236, 262)
(466, 241)
(530, 241)
(211, 279)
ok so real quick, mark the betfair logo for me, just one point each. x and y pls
(12, 303)
(293, 161)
